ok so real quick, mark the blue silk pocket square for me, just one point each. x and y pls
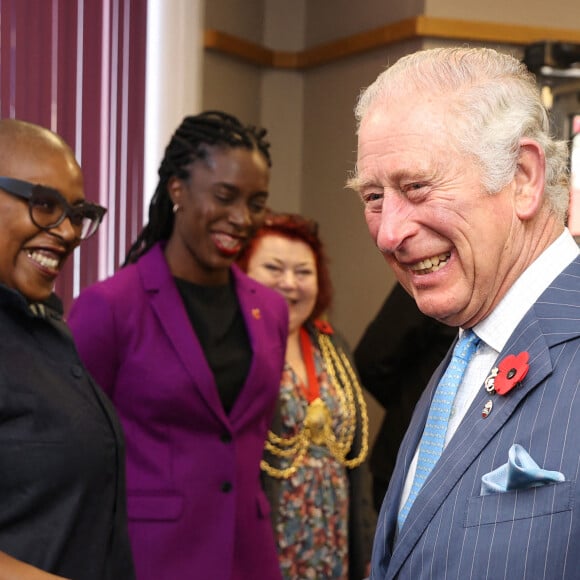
(520, 472)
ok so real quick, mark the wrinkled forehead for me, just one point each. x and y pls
(405, 115)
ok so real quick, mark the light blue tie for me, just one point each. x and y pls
(433, 439)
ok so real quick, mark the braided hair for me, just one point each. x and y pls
(189, 143)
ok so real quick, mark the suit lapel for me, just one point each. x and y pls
(405, 457)
(553, 320)
(251, 307)
(172, 316)
(470, 439)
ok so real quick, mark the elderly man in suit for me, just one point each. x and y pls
(465, 193)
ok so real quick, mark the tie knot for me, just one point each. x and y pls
(466, 345)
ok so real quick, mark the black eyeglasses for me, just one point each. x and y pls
(48, 208)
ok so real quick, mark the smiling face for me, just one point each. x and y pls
(289, 267)
(454, 246)
(31, 259)
(220, 207)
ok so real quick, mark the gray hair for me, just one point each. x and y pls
(495, 102)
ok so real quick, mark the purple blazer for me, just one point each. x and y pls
(195, 503)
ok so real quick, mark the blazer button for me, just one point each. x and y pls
(226, 438)
(226, 486)
(77, 371)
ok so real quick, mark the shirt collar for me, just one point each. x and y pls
(496, 328)
(13, 299)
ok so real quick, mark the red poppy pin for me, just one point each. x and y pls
(323, 326)
(508, 374)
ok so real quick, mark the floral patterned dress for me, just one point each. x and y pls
(312, 524)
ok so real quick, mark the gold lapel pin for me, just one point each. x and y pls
(256, 313)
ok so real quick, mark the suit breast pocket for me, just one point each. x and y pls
(520, 504)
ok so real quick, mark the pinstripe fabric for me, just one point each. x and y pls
(451, 531)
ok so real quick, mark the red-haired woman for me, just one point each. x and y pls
(320, 502)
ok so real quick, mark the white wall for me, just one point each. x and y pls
(173, 76)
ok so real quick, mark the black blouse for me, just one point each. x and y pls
(62, 485)
(214, 312)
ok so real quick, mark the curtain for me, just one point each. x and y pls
(77, 67)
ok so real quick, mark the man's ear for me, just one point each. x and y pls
(530, 179)
(175, 190)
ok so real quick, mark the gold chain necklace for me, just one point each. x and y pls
(317, 426)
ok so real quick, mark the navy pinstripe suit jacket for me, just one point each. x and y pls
(452, 532)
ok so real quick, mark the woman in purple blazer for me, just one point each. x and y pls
(191, 352)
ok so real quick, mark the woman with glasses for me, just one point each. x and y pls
(62, 487)
(320, 500)
(191, 351)
(48, 208)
